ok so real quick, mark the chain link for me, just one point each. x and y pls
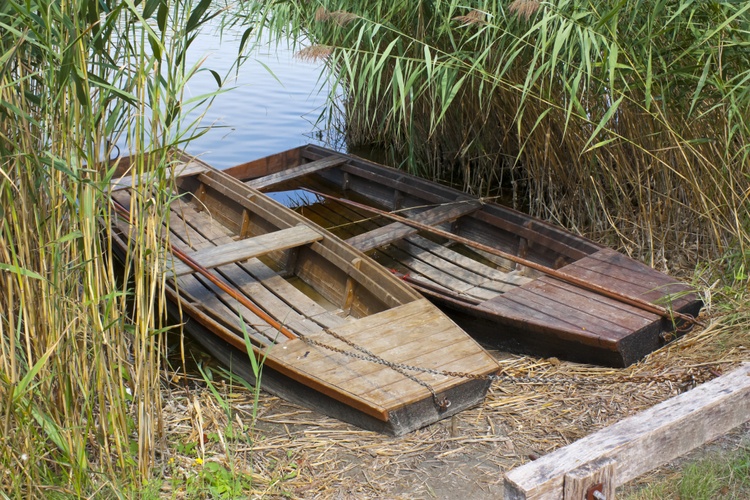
(443, 404)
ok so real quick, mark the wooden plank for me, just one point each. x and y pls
(181, 170)
(504, 309)
(248, 248)
(599, 475)
(292, 295)
(271, 180)
(474, 284)
(616, 271)
(398, 335)
(395, 231)
(489, 271)
(644, 441)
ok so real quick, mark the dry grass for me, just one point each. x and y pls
(294, 452)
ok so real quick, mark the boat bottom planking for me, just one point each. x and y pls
(355, 329)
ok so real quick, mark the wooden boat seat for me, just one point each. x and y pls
(248, 248)
(396, 231)
(268, 181)
(181, 170)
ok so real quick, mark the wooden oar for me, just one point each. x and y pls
(224, 286)
(593, 287)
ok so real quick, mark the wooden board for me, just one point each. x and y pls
(643, 441)
(270, 180)
(396, 231)
(397, 336)
(247, 248)
(181, 170)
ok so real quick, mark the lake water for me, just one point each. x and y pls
(267, 111)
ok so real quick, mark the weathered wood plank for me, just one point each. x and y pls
(539, 320)
(395, 231)
(248, 248)
(618, 272)
(598, 475)
(292, 173)
(291, 295)
(644, 441)
(180, 170)
(481, 269)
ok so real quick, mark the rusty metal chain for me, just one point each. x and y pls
(443, 404)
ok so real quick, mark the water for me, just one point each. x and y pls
(267, 111)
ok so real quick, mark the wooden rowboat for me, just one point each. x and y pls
(510, 280)
(334, 327)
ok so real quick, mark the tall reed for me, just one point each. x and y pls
(80, 348)
(624, 120)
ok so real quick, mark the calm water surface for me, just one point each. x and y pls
(267, 111)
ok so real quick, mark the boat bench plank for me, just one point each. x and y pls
(247, 248)
(396, 230)
(266, 276)
(180, 170)
(287, 175)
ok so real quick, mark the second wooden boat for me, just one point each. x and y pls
(336, 332)
(510, 280)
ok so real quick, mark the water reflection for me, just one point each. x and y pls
(296, 198)
(267, 111)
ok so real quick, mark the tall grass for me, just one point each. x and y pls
(80, 348)
(627, 121)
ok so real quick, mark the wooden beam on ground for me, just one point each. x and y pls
(271, 180)
(248, 248)
(386, 235)
(639, 443)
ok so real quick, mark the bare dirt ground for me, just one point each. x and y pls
(293, 452)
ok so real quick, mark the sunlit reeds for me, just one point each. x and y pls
(627, 121)
(80, 347)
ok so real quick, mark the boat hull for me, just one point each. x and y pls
(500, 300)
(336, 333)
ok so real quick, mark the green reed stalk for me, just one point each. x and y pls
(80, 347)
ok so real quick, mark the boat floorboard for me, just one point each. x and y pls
(442, 266)
(383, 336)
(613, 270)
